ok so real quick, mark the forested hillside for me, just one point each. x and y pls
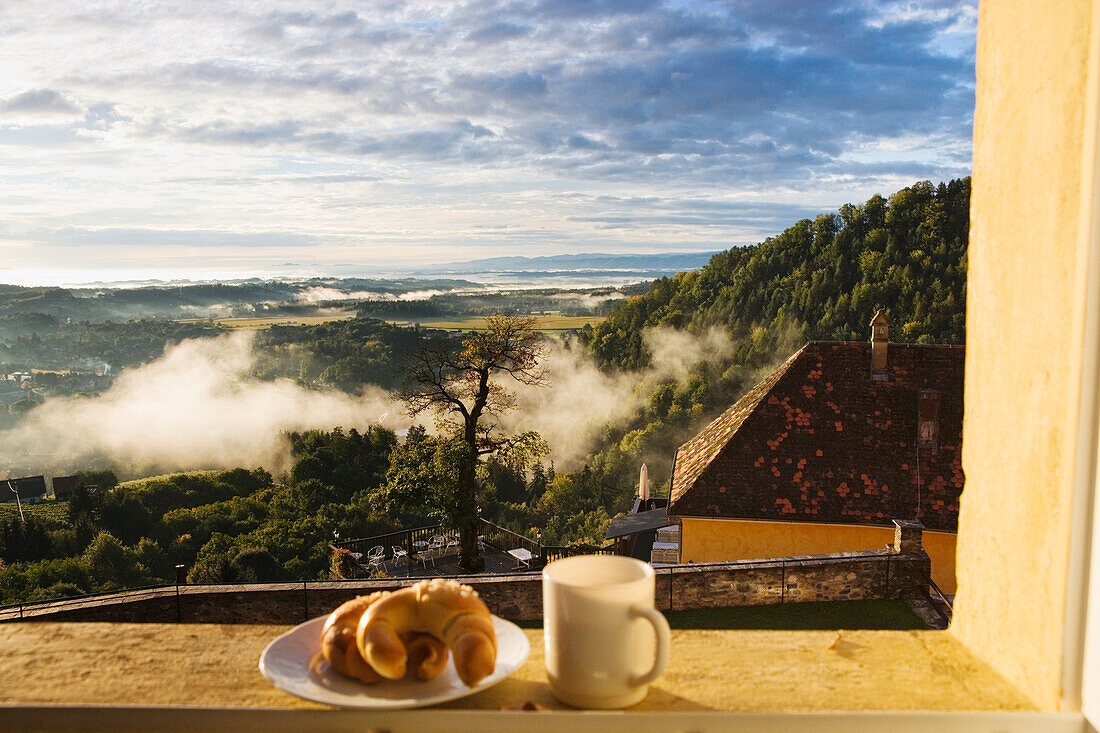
(817, 280)
(820, 279)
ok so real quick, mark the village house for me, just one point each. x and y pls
(29, 488)
(64, 486)
(822, 455)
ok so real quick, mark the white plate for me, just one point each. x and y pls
(293, 663)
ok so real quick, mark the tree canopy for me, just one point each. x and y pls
(459, 382)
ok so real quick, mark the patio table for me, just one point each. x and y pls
(523, 557)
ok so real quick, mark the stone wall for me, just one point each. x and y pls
(898, 572)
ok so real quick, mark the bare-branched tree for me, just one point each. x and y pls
(455, 380)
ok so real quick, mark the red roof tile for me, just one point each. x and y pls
(864, 465)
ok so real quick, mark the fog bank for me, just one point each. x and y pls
(582, 400)
(194, 408)
(197, 408)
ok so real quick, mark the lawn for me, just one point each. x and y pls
(802, 616)
(795, 617)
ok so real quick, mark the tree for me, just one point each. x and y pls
(454, 379)
(24, 540)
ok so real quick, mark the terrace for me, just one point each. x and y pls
(504, 551)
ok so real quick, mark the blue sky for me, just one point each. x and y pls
(210, 138)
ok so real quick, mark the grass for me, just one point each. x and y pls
(471, 323)
(827, 615)
(477, 323)
(801, 616)
(259, 324)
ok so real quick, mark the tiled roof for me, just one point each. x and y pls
(694, 456)
(819, 441)
(30, 487)
(629, 524)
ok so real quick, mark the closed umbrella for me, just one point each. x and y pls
(643, 484)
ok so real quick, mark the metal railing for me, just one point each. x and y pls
(17, 611)
(557, 552)
(490, 535)
(410, 540)
(499, 538)
(941, 603)
(316, 593)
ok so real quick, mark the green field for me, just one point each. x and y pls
(477, 323)
(258, 324)
(471, 323)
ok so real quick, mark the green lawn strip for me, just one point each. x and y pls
(794, 617)
(801, 616)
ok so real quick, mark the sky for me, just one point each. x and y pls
(210, 139)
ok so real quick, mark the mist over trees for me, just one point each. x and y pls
(819, 279)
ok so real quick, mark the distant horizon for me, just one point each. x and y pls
(153, 278)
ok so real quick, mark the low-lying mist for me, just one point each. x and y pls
(320, 294)
(197, 407)
(582, 400)
(194, 408)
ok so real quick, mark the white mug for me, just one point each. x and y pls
(605, 642)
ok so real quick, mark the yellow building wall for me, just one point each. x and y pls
(941, 548)
(720, 540)
(1030, 212)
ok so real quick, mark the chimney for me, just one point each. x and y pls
(880, 340)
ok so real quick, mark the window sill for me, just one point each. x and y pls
(205, 675)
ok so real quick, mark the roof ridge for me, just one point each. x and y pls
(892, 344)
(747, 403)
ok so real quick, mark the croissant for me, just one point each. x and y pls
(445, 609)
(427, 655)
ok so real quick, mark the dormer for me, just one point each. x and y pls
(928, 418)
(880, 340)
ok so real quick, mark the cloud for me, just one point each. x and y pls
(135, 237)
(446, 119)
(40, 101)
(197, 407)
(497, 32)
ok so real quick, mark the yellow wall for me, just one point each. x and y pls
(940, 547)
(717, 540)
(1030, 208)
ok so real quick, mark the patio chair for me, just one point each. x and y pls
(437, 545)
(453, 545)
(400, 556)
(376, 558)
(423, 556)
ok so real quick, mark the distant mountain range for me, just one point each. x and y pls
(668, 262)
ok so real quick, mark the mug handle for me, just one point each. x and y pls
(660, 626)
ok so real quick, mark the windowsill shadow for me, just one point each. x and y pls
(512, 693)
